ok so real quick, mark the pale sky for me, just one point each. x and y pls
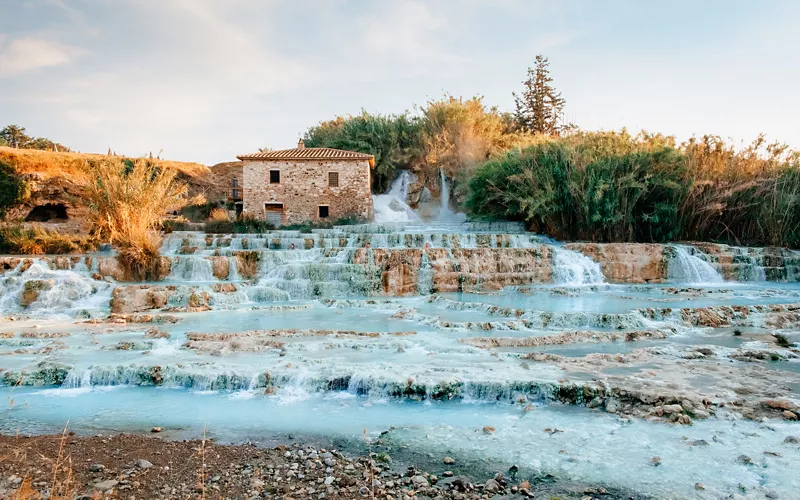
(204, 80)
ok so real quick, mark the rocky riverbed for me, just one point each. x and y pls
(138, 466)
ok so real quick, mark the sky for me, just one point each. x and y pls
(205, 80)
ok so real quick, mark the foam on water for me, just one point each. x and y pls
(59, 292)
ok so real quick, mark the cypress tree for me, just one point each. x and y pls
(540, 108)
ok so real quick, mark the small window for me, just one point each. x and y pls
(333, 179)
(323, 211)
(235, 183)
(234, 193)
(274, 176)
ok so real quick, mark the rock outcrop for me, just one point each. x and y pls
(626, 262)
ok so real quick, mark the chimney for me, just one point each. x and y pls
(301, 144)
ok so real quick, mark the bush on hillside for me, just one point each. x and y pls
(12, 189)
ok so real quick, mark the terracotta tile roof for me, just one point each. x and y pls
(307, 154)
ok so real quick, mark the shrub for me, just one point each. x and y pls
(179, 223)
(782, 340)
(12, 189)
(246, 223)
(127, 201)
(610, 186)
(38, 241)
(198, 212)
(218, 215)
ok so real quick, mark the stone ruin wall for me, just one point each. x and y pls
(220, 180)
(304, 186)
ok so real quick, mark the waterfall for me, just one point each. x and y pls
(191, 268)
(425, 277)
(574, 268)
(446, 214)
(687, 267)
(392, 207)
(40, 290)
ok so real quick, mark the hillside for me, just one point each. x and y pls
(53, 184)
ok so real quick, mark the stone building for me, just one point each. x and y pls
(307, 184)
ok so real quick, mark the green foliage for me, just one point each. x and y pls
(200, 212)
(393, 140)
(306, 227)
(243, 225)
(610, 186)
(530, 184)
(16, 137)
(12, 189)
(632, 197)
(782, 340)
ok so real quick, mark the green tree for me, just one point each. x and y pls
(540, 108)
(15, 136)
(393, 140)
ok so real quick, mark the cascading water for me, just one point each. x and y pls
(192, 268)
(40, 290)
(379, 353)
(573, 268)
(392, 207)
(687, 267)
(446, 214)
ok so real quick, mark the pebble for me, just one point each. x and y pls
(155, 429)
(449, 460)
(699, 486)
(143, 464)
(656, 461)
(488, 429)
(419, 482)
(96, 468)
(328, 480)
(491, 486)
(105, 485)
(792, 440)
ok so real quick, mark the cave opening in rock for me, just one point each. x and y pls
(47, 212)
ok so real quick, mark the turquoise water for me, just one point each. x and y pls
(308, 353)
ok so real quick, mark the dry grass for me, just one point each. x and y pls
(78, 165)
(219, 215)
(35, 240)
(247, 263)
(62, 483)
(128, 201)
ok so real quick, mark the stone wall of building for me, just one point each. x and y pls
(304, 187)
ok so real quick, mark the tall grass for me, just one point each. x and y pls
(611, 186)
(128, 200)
(34, 240)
